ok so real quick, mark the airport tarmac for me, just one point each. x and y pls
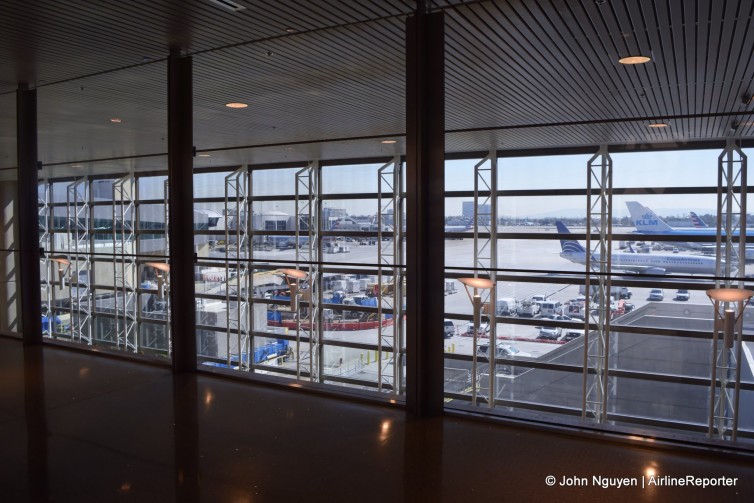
(532, 255)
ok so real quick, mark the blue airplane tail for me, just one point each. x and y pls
(568, 245)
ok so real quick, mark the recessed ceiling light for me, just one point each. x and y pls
(291, 30)
(634, 60)
(116, 120)
(389, 141)
(203, 155)
(657, 125)
(236, 105)
(228, 5)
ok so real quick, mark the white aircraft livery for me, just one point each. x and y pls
(640, 263)
(648, 222)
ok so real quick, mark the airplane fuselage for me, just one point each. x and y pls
(652, 263)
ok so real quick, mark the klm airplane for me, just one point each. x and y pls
(648, 222)
(640, 263)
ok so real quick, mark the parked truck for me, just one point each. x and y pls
(450, 287)
(528, 309)
(616, 292)
(506, 306)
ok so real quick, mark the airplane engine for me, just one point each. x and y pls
(655, 270)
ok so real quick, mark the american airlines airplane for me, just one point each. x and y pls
(640, 263)
(697, 221)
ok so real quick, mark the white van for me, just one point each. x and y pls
(449, 328)
(506, 306)
(550, 307)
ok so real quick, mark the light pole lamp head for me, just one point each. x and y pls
(293, 273)
(160, 266)
(476, 284)
(63, 264)
(162, 277)
(476, 299)
(728, 318)
(729, 294)
(292, 277)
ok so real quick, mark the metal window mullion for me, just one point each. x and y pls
(166, 212)
(485, 259)
(389, 180)
(493, 277)
(726, 362)
(600, 388)
(250, 260)
(46, 244)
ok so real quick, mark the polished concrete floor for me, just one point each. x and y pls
(79, 427)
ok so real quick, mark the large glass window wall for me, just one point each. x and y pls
(301, 274)
(634, 352)
(104, 265)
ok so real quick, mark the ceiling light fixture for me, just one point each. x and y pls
(657, 125)
(634, 60)
(291, 30)
(389, 142)
(116, 120)
(228, 5)
(236, 104)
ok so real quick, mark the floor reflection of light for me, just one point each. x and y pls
(385, 429)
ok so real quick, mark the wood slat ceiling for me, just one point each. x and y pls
(511, 64)
(553, 61)
(52, 40)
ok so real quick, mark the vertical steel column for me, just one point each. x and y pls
(166, 230)
(485, 261)
(730, 271)
(43, 208)
(237, 202)
(389, 256)
(28, 225)
(598, 258)
(78, 218)
(308, 210)
(425, 186)
(181, 204)
(124, 263)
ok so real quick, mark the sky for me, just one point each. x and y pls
(630, 170)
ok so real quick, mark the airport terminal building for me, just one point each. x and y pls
(244, 241)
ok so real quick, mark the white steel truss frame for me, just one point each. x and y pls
(166, 209)
(78, 220)
(124, 263)
(389, 257)
(238, 323)
(598, 267)
(308, 209)
(730, 271)
(43, 202)
(485, 261)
